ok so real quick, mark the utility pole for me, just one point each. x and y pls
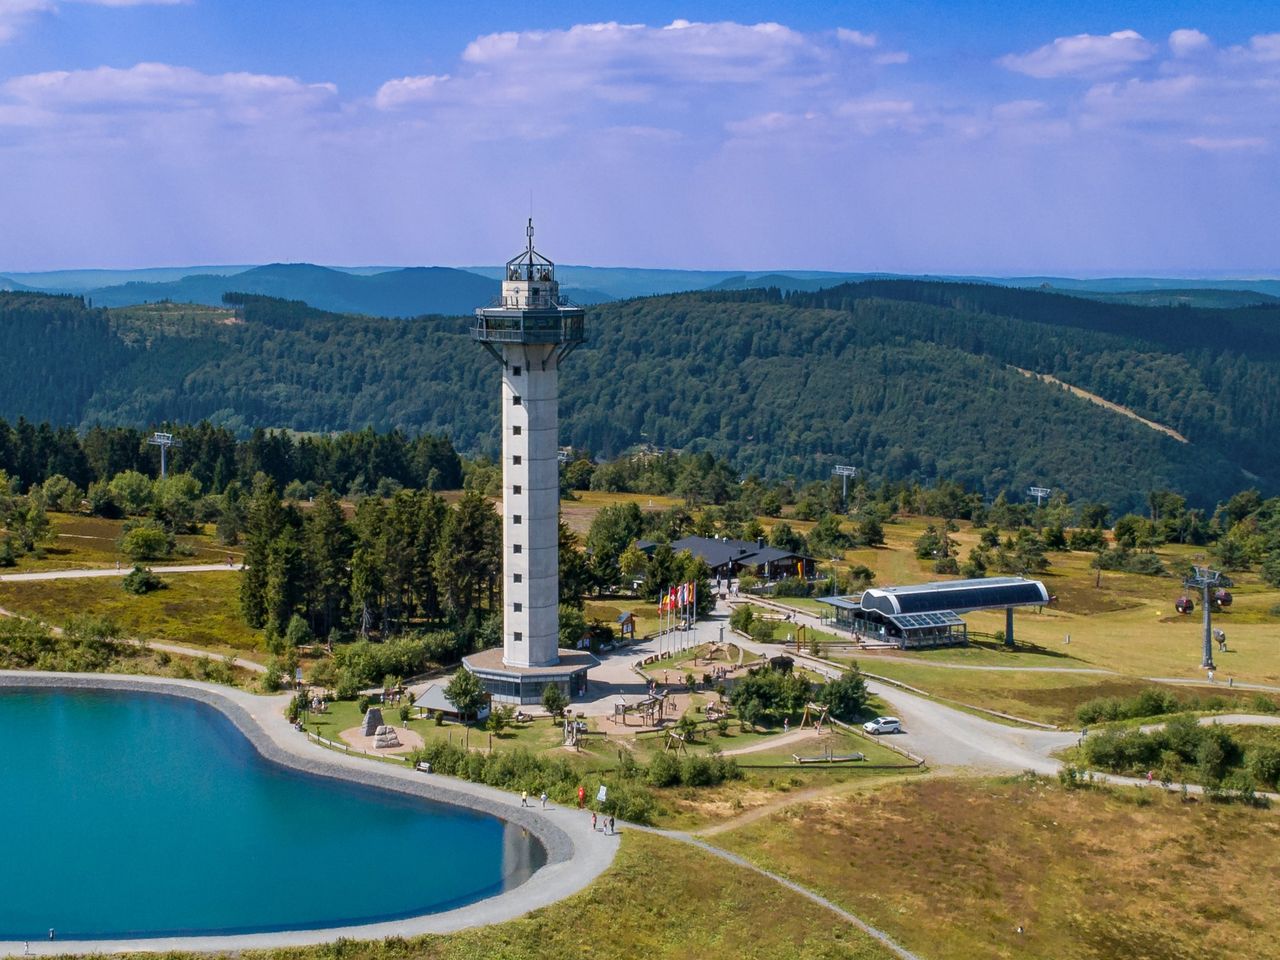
(1039, 493)
(1206, 581)
(164, 441)
(845, 472)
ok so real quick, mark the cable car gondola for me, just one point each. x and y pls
(1222, 598)
(1184, 604)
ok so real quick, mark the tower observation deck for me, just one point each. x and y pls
(530, 329)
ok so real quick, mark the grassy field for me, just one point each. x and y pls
(952, 868)
(81, 542)
(579, 513)
(196, 609)
(660, 900)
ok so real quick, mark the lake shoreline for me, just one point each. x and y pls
(575, 854)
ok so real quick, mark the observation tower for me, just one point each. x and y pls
(530, 329)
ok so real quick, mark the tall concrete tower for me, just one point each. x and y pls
(530, 329)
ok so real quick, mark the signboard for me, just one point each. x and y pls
(602, 794)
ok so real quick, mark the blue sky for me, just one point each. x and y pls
(1081, 138)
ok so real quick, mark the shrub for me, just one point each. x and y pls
(741, 618)
(663, 771)
(1263, 764)
(140, 580)
(363, 704)
(298, 633)
(792, 587)
(147, 541)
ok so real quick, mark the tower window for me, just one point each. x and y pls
(517, 636)
(517, 606)
(515, 459)
(515, 400)
(517, 519)
(515, 371)
(517, 548)
(518, 578)
(517, 489)
(515, 431)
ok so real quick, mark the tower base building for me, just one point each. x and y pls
(530, 329)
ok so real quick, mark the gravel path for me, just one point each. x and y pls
(119, 572)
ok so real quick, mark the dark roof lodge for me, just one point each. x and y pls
(729, 558)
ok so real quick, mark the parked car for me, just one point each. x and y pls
(883, 725)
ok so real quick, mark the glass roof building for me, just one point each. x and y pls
(927, 614)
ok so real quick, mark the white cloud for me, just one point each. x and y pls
(1083, 55)
(14, 15)
(151, 88)
(856, 38)
(396, 93)
(1189, 43)
(568, 72)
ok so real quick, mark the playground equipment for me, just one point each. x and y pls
(1220, 637)
(573, 731)
(716, 710)
(815, 713)
(829, 757)
(652, 710)
(675, 743)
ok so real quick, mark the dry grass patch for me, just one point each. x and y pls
(196, 609)
(660, 900)
(952, 867)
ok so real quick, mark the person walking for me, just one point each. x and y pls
(612, 826)
(524, 798)
(544, 799)
(593, 820)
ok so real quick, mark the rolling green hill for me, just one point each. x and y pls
(905, 379)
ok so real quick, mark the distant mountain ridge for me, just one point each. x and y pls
(403, 293)
(410, 292)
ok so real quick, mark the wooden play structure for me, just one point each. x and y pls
(829, 757)
(573, 732)
(652, 710)
(675, 743)
(716, 710)
(815, 713)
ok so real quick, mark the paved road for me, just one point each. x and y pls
(949, 739)
(120, 572)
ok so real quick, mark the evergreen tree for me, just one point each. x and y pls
(467, 562)
(329, 544)
(287, 574)
(263, 524)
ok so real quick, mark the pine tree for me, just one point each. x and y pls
(263, 525)
(328, 557)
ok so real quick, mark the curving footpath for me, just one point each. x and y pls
(576, 854)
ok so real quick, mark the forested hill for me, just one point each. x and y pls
(904, 379)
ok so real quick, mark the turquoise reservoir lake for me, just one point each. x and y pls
(139, 815)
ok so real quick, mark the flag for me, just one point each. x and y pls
(682, 594)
